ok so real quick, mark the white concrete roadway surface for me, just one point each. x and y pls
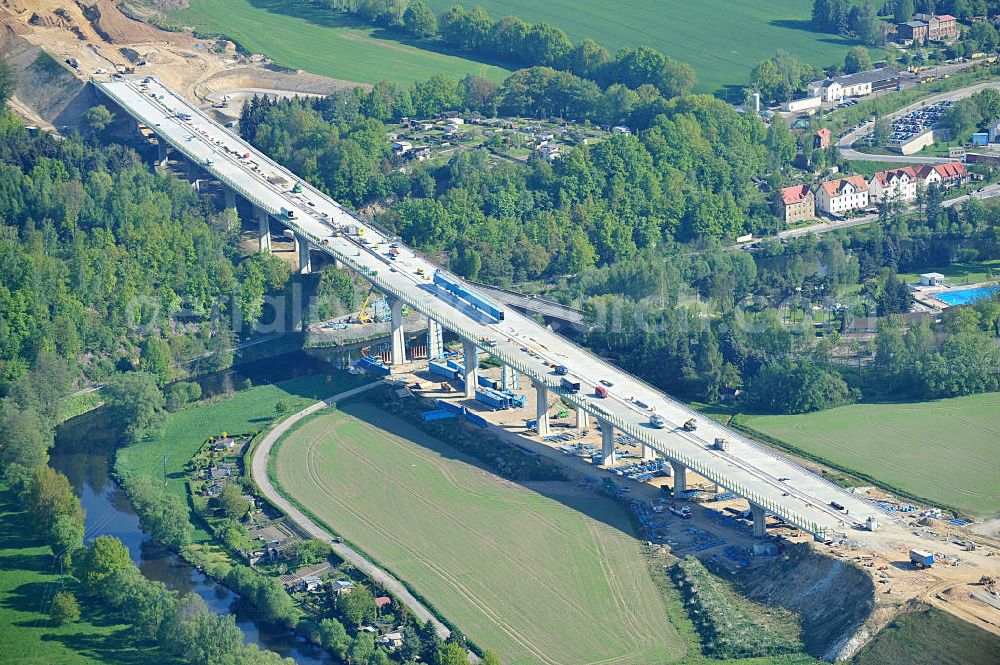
(756, 473)
(258, 473)
(845, 144)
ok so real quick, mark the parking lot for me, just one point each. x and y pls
(914, 123)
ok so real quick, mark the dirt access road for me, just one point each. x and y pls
(258, 473)
(96, 35)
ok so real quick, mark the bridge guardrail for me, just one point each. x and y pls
(379, 281)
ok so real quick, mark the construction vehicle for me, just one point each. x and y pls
(657, 421)
(921, 558)
(363, 317)
(691, 425)
(562, 370)
(681, 511)
(601, 391)
(569, 386)
(297, 188)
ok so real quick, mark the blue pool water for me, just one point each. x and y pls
(965, 296)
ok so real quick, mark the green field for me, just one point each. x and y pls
(721, 39)
(297, 34)
(27, 585)
(244, 411)
(930, 636)
(550, 574)
(971, 272)
(943, 450)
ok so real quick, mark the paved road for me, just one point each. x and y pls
(766, 479)
(848, 152)
(258, 473)
(989, 192)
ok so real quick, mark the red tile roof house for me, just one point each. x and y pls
(821, 139)
(896, 185)
(951, 174)
(843, 195)
(796, 203)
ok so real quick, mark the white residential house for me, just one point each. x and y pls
(401, 146)
(841, 196)
(943, 175)
(894, 185)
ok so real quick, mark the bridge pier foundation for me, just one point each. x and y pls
(508, 378)
(435, 340)
(581, 419)
(541, 407)
(305, 261)
(471, 368)
(759, 521)
(608, 455)
(263, 229)
(680, 478)
(398, 335)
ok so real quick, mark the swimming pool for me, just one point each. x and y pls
(965, 296)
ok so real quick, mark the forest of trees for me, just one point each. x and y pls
(690, 174)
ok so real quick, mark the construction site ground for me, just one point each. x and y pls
(96, 35)
(952, 584)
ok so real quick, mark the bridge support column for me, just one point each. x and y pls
(263, 229)
(471, 368)
(541, 407)
(581, 419)
(161, 152)
(508, 378)
(305, 262)
(648, 454)
(680, 478)
(192, 174)
(230, 197)
(398, 334)
(759, 521)
(608, 455)
(435, 340)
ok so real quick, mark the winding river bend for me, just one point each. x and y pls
(84, 451)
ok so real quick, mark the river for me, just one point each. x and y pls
(84, 451)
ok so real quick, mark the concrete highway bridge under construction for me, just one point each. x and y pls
(768, 481)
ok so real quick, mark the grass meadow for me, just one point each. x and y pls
(543, 574)
(300, 35)
(943, 450)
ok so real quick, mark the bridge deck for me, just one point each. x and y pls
(758, 474)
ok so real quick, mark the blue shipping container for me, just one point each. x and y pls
(437, 414)
(449, 406)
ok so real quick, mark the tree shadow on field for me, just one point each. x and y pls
(805, 25)
(329, 18)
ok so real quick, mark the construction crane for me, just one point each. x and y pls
(362, 317)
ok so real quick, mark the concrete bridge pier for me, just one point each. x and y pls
(680, 477)
(608, 455)
(193, 172)
(230, 198)
(541, 407)
(161, 152)
(263, 229)
(396, 327)
(471, 368)
(648, 454)
(305, 261)
(582, 422)
(759, 521)
(435, 340)
(508, 378)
